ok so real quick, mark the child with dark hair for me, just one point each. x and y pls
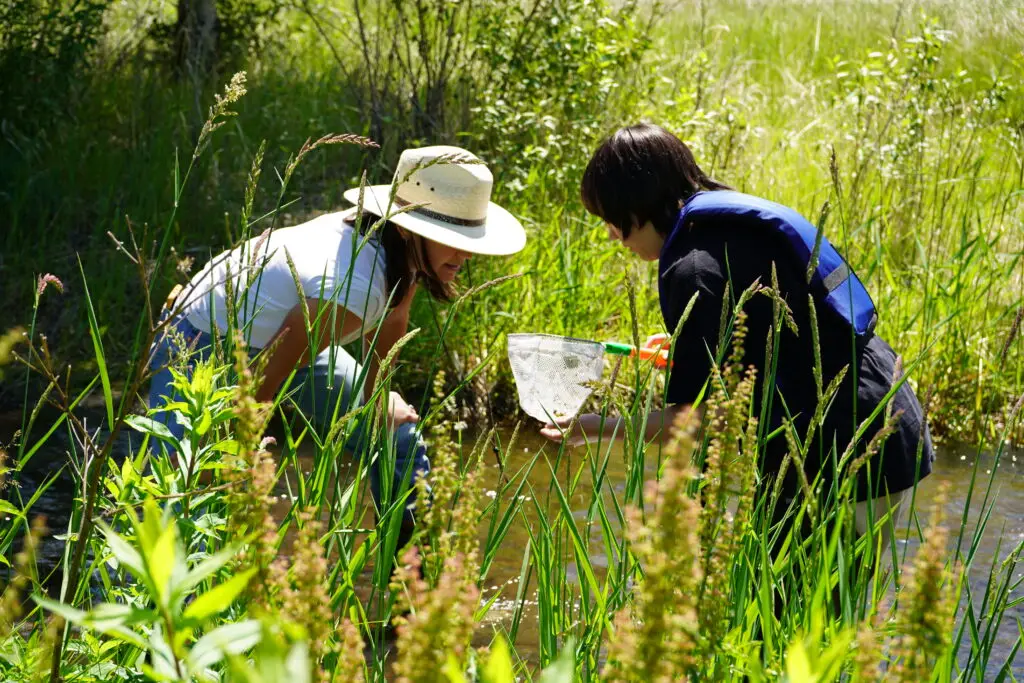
(714, 243)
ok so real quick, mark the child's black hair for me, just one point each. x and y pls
(642, 173)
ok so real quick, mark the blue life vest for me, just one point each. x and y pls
(833, 281)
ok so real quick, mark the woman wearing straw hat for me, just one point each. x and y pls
(356, 277)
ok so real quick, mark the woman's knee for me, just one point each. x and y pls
(411, 450)
(330, 386)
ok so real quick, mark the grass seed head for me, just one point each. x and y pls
(924, 620)
(656, 637)
(436, 623)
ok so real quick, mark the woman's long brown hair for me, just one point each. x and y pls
(405, 259)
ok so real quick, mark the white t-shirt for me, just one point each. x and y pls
(331, 261)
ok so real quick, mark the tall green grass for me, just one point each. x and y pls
(799, 102)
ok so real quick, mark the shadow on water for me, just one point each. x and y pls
(955, 464)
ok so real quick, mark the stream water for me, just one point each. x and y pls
(954, 464)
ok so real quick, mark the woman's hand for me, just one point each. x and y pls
(578, 431)
(400, 412)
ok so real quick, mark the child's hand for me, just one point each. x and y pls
(586, 428)
(657, 341)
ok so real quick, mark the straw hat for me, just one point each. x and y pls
(445, 199)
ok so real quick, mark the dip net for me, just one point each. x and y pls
(554, 375)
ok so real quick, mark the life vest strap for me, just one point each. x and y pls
(836, 277)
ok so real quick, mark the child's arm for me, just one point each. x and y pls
(588, 427)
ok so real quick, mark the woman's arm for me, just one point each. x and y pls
(394, 327)
(290, 346)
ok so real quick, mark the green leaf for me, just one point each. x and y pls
(162, 561)
(563, 669)
(109, 618)
(297, 663)
(452, 670)
(66, 612)
(148, 532)
(128, 472)
(162, 656)
(798, 665)
(123, 552)
(148, 425)
(205, 421)
(97, 345)
(229, 446)
(154, 675)
(582, 556)
(229, 639)
(499, 664)
(218, 599)
(202, 571)
(8, 509)
(109, 614)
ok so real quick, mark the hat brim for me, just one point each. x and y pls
(500, 235)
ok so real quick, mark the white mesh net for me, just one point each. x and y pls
(552, 373)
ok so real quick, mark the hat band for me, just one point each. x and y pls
(465, 222)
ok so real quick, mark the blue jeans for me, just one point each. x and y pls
(323, 389)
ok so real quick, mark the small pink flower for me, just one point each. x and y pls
(267, 442)
(46, 280)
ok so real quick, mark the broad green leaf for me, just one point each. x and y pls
(66, 612)
(112, 488)
(563, 669)
(111, 619)
(128, 474)
(153, 674)
(499, 664)
(205, 421)
(8, 509)
(230, 639)
(297, 663)
(151, 527)
(109, 614)
(148, 425)
(202, 571)
(229, 446)
(798, 665)
(452, 670)
(219, 598)
(124, 553)
(162, 561)
(162, 656)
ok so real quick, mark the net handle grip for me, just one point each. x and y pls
(658, 356)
